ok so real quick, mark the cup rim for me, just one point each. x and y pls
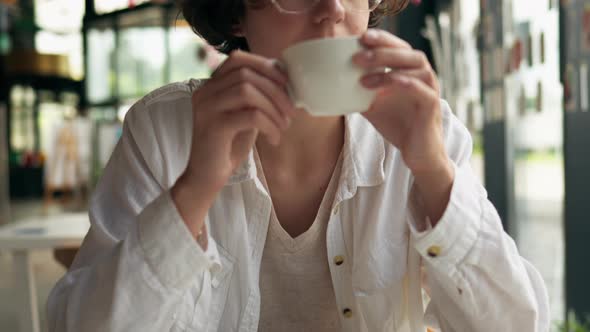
(312, 41)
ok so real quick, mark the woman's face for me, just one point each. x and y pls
(269, 31)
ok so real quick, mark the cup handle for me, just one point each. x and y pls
(290, 92)
(292, 95)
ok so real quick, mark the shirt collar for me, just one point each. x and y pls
(363, 161)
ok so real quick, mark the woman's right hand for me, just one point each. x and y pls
(246, 96)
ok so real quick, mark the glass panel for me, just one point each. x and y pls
(100, 79)
(59, 15)
(107, 6)
(66, 44)
(141, 58)
(190, 56)
(51, 117)
(22, 119)
(102, 114)
(106, 131)
(61, 24)
(4, 197)
(65, 141)
(535, 90)
(124, 108)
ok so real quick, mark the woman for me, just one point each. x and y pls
(223, 208)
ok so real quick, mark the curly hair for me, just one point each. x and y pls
(214, 20)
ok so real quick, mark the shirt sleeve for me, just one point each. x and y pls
(139, 262)
(476, 278)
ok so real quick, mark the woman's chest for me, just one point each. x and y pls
(366, 247)
(370, 225)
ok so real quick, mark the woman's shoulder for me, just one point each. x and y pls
(165, 97)
(166, 107)
(172, 92)
(160, 126)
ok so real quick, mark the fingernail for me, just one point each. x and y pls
(371, 35)
(373, 81)
(280, 66)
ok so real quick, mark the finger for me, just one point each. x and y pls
(248, 119)
(395, 58)
(376, 80)
(413, 89)
(275, 93)
(245, 95)
(262, 65)
(381, 38)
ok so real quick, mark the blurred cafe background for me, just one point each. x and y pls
(514, 71)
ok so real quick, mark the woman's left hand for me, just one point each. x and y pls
(406, 109)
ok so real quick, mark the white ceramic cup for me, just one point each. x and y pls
(323, 79)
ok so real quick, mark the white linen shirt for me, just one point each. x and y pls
(139, 268)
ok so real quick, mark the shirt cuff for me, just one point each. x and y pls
(455, 234)
(169, 247)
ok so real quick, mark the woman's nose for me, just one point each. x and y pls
(332, 11)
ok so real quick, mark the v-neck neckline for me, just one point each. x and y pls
(299, 242)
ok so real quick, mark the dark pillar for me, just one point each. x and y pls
(4, 119)
(575, 54)
(408, 25)
(498, 152)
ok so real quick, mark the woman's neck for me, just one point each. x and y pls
(310, 145)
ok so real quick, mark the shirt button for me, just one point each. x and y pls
(338, 260)
(347, 313)
(433, 251)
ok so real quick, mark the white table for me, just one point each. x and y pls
(21, 238)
